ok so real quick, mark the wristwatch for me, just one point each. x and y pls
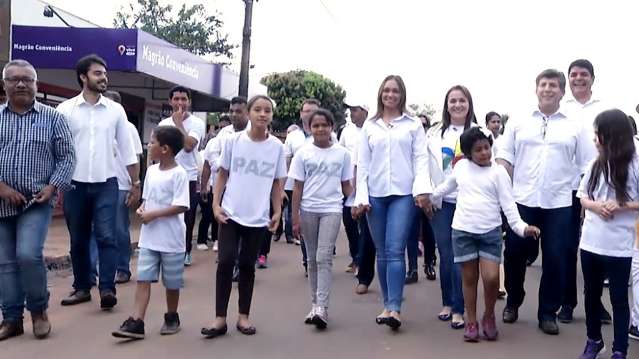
(137, 183)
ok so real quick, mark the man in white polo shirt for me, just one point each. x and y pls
(539, 150)
(193, 130)
(96, 122)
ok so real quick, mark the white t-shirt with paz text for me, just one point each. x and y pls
(252, 166)
(163, 189)
(195, 128)
(322, 170)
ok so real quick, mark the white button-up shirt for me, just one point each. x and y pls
(586, 114)
(545, 152)
(94, 128)
(392, 159)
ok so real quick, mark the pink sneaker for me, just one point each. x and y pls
(471, 332)
(261, 262)
(489, 327)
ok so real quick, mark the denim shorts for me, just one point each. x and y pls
(469, 246)
(172, 265)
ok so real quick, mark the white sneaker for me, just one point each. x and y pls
(215, 246)
(188, 260)
(320, 319)
(202, 247)
(309, 317)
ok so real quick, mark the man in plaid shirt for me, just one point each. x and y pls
(37, 159)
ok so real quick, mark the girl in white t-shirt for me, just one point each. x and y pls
(484, 188)
(609, 193)
(322, 172)
(250, 170)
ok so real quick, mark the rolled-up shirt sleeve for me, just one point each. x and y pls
(363, 168)
(421, 182)
(63, 154)
(506, 150)
(123, 139)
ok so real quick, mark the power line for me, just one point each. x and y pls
(328, 11)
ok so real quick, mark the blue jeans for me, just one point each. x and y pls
(123, 240)
(449, 272)
(23, 275)
(391, 220)
(92, 207)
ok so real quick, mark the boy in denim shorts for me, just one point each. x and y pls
(484, 188)
(162, 248)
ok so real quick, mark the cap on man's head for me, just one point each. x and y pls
(353, 102)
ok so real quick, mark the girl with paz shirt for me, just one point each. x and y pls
(322, 172)
(251, 165)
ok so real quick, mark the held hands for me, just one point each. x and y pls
(275, 221)
(606, 210)
(219, 214)
(359, 211)
(423, 201)
(532, 231)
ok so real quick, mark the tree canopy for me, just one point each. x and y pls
(191, 28)
(289, 89)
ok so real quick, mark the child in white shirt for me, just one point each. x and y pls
(165, 199)
(609, 193)
(251, 166)
(484, 188)
(322, 172)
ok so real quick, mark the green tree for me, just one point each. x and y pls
(192, 29)
(426, 108)
(289, 89)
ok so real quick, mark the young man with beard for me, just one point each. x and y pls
(96, 122)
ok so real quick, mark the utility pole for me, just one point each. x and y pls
(246, 48)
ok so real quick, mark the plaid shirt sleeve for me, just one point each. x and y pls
(63, 153)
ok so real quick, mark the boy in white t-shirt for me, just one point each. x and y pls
(166, 198)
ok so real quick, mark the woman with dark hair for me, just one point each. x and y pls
(609, 193)
(392, 178)
(443, 150)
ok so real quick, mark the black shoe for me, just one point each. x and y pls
(549, 327)
(510, 315)
(289, 240)
(213, 332)
(605, 316)
(305, 270)
(411, 277)
(633, 332)
(171, 324)
(246, 330)
(236, 274)
(77, 297)
(130, 329)
(393, 323)
(565, 314)
(429, 270)
(107, 300)
(9, 329)
(121, 278)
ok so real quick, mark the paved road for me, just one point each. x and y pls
(279, 306)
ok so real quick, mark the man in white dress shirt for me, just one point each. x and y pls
(193, 130)
(96, 122)
(539, 151)
(584, 107)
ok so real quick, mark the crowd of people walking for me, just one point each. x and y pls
(478, 200)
